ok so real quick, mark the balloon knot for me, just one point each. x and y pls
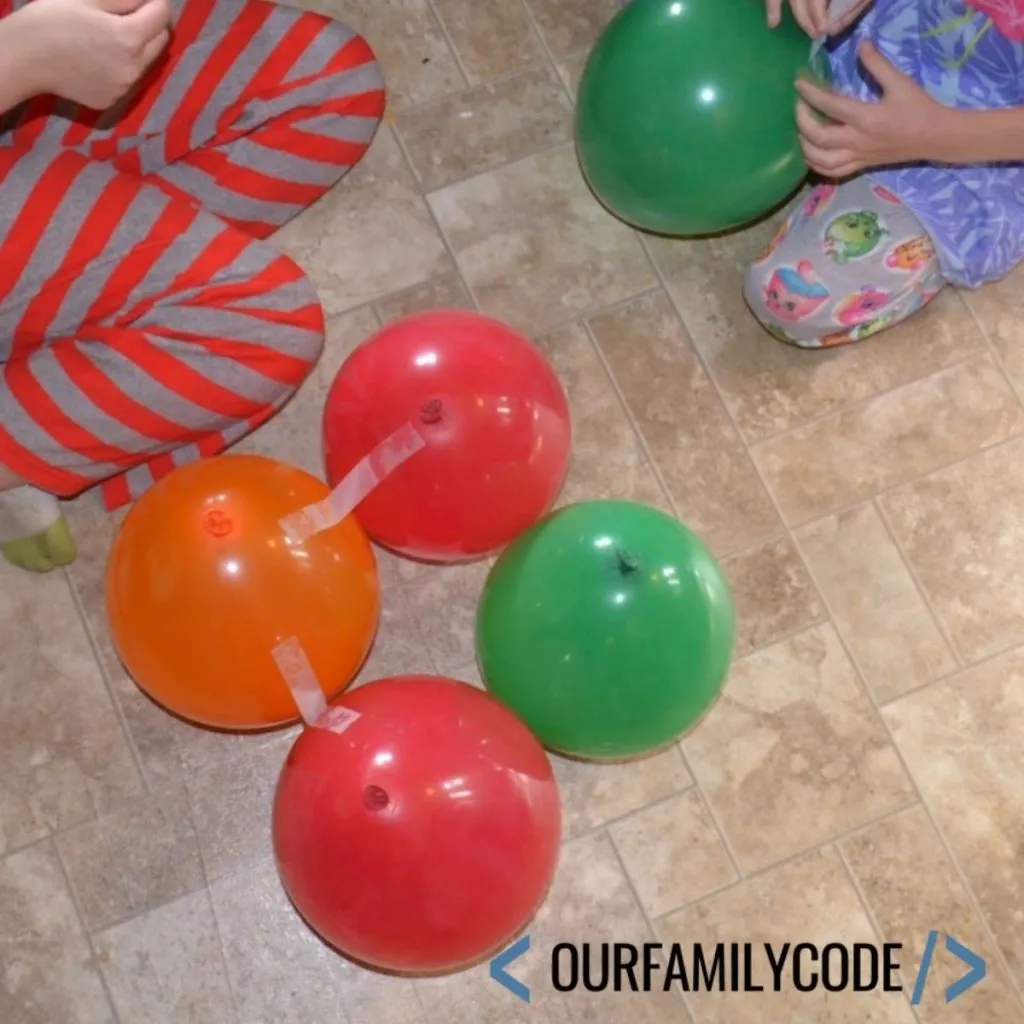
(432, 412)
(627, 563)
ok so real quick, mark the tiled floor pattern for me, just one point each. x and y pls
(863, 776)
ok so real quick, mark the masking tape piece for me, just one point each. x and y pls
(337, 719)
(356, 486)
(294, 666)
(297, 672)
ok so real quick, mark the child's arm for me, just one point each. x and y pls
(15, 84)
(982, 137)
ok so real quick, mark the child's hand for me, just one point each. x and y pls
(810, 15)
(905, 126)
(90, 51)
(819, 17)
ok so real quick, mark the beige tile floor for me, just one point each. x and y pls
(863, 777)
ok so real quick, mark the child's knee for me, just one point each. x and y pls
(307, 323)
(751, 292)
(360, 89)
(292, 339)
(789, 300)
(756, 295)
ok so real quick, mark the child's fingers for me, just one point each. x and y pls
(839, 108)
(827, 148)
(818, 15)
(155, 47)
(883, 71)
(151, 19)
(774, 10)
(831, 163)
(811, 129)
(802, 13)
(807, 124)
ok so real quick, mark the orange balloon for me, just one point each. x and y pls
(203, 584)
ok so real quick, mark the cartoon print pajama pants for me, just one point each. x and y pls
(144, 321)
(850, 261)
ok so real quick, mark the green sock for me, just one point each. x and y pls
(33, 533)
(44, 551)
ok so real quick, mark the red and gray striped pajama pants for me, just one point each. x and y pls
(144, 321)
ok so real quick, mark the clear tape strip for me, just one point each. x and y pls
(298, 674)
(367, 474)
(291, 659)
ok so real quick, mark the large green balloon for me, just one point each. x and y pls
(608, 628)
(685, 118)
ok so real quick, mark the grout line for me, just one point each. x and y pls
(50, 837)
(779, 639)
(418, 994)
(615, 306)
(630, 418)
(544, 62)
(222, 955)
(608, 824)
(990, 343)
(914, 579)
(648, 921)
(137, 915)
(576, 318)
(449, 249)
(780, 537)
(544, 56)
(712, 381)
(520, 157)
(879, 931)
(723, 835)
(858, 404)
(439, 22)
(888, 491)
(108, 686)
(790, 859)
(954, 649)
(94, 953)
(1016, 646)
(611, 822)
(546, 49)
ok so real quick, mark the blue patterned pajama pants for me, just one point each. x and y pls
(850, 261)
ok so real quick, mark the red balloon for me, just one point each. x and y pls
(496, 424)
(424, 834)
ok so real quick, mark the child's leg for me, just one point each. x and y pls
(256, 110)
(136, 331)
(254, 113)
(850, 261)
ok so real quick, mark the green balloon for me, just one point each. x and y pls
(685, 119)
(608, 628)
